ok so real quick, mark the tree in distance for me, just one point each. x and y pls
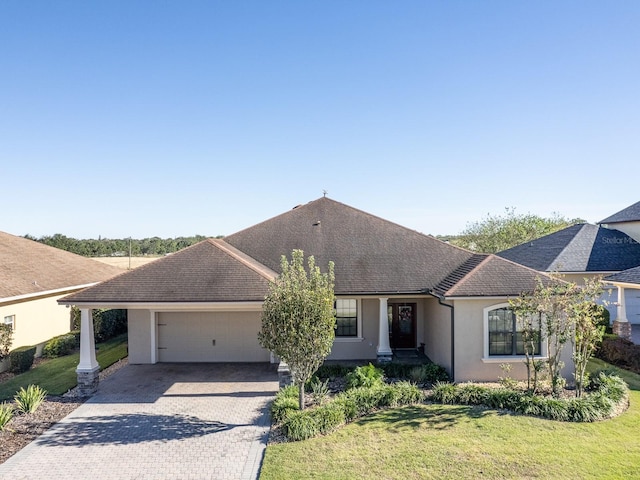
(496, 233)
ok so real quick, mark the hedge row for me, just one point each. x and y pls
(356, 402)
(620, 352)
(425, 373)
(21, 359)
(608, 392)
(62, 345)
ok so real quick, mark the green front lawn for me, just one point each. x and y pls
(58, 375)
(452, 441)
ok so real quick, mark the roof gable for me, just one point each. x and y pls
(495, 276)
(629, 214)
(578, 248)
(29, 267)
(371, 255)
(209, 271)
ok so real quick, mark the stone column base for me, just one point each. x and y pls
(88, 381)
(622, 329)
(284, 375)
(385, 358)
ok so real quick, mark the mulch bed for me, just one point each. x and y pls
(23, 429)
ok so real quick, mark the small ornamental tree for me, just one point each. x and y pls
(529, 325)
(6, 340)
(588, 329)
(298, 321)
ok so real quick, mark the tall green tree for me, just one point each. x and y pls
(298, 322)
(500, 232)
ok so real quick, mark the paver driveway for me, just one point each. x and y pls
(164, 421)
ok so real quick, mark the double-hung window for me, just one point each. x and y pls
(10, 320)
(346, 317)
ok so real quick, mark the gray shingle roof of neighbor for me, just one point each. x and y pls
(578, 248)
(631, 275)
(209, 271)
(371, 256)
(629, 214)
(28, 267)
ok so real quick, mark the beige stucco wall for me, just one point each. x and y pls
(437, 333)
(360, 348)
(37, 320)
(139, 326)
(469, 347)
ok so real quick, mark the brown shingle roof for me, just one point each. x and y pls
(495, 276)
(371, 255)
(209, 271)
(28, 267)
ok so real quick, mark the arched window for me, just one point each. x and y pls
(507, 335)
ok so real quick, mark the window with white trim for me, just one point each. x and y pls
(346, 317)
(11, 321)
(506, 334)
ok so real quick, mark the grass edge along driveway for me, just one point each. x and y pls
(58, 375)
(454, 441)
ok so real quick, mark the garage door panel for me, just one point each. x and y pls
(210, 337)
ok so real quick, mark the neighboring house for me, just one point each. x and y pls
(627, 282)
(396, 289)
(33, 277)
(585, 250)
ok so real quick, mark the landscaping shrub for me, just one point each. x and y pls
(109, 323)
(286, 401)
(366, 399)
(444, 392)
(348, 405)
(396, 369)
(402, 393)
(28, 401)
(471, 394)
(6, 414)
(332, 370)
(366, 376)
(608, 391)
(319, 390)
(621, 352)
(428, 373)
(503, 398)
(21, 359)
(60, 345)
(305, 424)
(610, 385)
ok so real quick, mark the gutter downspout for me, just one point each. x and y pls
(453, 348)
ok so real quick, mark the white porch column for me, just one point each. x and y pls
(384, 350)
(622, 306)
(88, 366)
(621, 325)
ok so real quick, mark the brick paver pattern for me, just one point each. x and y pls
(165, 421)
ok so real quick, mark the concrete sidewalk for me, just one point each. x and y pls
(164, 421)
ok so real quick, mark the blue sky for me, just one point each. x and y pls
(145, 118)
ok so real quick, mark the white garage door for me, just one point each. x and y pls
(210, 337)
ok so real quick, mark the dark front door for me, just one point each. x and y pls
(403, 325)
